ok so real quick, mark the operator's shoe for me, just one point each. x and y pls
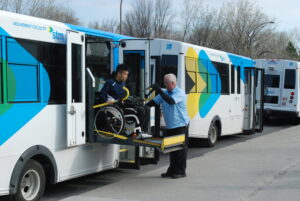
(176, 176)
(165, 175)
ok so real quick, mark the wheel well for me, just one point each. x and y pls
(42, 155)
(48, 167)
(217, 121)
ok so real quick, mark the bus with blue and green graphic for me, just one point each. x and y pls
(43, 102)
(224, 96)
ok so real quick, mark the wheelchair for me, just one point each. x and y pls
(119, 118)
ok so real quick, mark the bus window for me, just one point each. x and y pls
(223, 70)
(76, 73)
(1, 67)
(202, 86)
(98, 59)
(238, 80)
(272, 81)
(169, 64)
(289, 79)
(271, 99)
(53, 58)
(23, 72)
(190, 75)
(232, 79)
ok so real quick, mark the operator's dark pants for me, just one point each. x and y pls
(178, 158)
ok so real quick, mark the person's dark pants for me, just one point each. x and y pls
(178, 158)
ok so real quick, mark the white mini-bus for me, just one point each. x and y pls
(50, 73)
(223, 97)
(281, 82)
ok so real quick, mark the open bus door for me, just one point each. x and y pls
(136, 55)
(259, 99)
(249, 107)
(254, 104)
(75, 88)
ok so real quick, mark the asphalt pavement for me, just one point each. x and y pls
(260, 167)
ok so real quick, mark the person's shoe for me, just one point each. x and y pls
(165, 175)
(176, 176)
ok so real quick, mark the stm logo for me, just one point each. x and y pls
(56, 35)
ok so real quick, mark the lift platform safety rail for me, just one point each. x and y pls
(138, 139)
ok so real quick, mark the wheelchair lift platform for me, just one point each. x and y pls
(163, 145)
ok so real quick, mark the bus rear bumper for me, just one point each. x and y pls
(280, 113)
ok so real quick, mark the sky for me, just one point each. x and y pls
(285, 12)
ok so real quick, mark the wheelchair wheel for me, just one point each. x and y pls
(109, 119)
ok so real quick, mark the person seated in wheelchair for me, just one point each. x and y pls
(113, 91)
(113, 88)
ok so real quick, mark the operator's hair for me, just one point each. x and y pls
(170, 78)
(120, 68)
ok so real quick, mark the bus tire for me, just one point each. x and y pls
(212, 136)
(31, 183)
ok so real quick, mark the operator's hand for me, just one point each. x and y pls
(155, 86)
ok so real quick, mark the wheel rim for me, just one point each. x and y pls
(112, 117)
(213, 134)
(30, 184)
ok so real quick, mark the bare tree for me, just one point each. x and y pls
(189, 14)
(138, 20)
(162, 19)
(247, 27)
(48, 9)
(4, 4)
(148, 18)
(109, 25)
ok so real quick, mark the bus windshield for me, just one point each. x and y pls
(272, 81)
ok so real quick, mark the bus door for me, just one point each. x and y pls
(75, 88)
(259, 99)
(249, 107)
(135, 53)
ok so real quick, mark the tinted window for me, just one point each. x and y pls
(289, 79)
(22, 72)
(272, 81)
(238, 80)
(1, 68)
(190, 75)
(271, 99)
(53, 59)
(169, 64)
(223, 70)
(98, 59)
(76, 73)
(232, 79)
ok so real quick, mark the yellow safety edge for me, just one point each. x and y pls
(123, 150)
(168, 141)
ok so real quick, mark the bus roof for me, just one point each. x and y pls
(34, 28)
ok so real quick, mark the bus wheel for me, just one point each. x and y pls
(212, 136)
(31, 183)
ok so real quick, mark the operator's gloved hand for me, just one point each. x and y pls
(157, 88)
(166, 97)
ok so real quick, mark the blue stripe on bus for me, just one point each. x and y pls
(213, 97)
